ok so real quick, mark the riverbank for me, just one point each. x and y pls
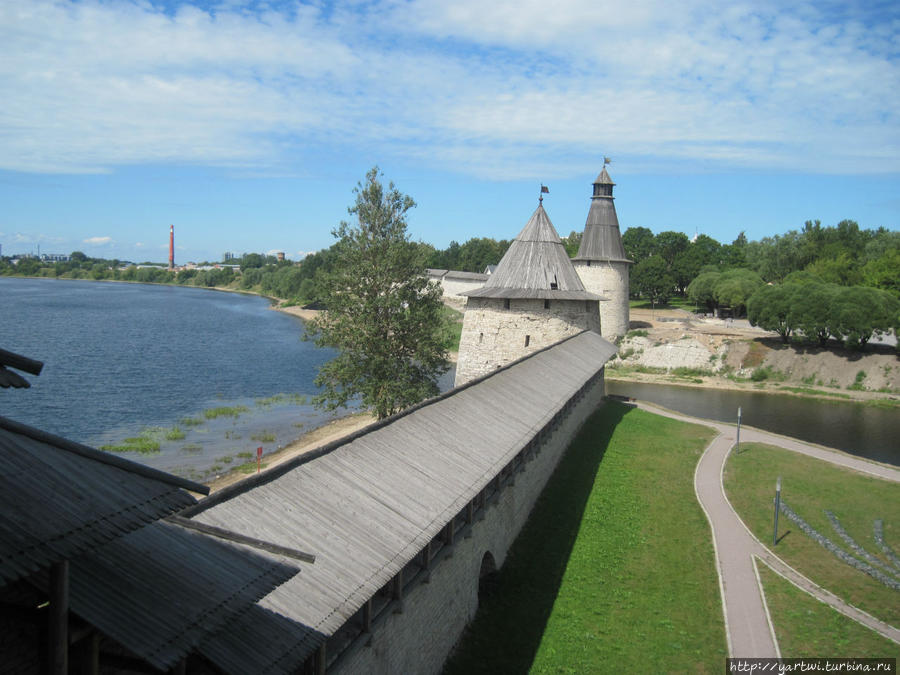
(311, 440)
(627, 374)
(687, 349)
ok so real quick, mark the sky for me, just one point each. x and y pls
(247, 125)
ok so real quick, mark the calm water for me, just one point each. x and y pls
(123, 357)
(858, 429)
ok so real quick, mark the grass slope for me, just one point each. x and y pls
(810, 486)
(808, 628)
(614, 570)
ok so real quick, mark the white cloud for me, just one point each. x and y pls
(496, 89)
(97, 241)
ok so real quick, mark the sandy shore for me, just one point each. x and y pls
(294, 310)
(311, 440)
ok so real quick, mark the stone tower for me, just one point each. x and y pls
(533, 299)
(601, 263)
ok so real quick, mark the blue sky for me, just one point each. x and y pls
(247, 125)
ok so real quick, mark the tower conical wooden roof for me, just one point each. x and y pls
(602, 240)
(535, 266)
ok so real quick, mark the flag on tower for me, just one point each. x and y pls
(544, 189)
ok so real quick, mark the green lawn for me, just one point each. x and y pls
(674, 303)
(614, 571)
(808, 628)
(810, 486)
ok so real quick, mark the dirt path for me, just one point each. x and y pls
(747, 621)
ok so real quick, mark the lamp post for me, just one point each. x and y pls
(777, 507)
(737, 440)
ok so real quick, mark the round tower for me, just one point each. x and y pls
(601, 263)
(532, 300)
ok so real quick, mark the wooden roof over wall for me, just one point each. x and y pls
(162, 589)
(367, 505)
(59, 498)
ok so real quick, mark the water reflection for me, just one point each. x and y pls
(859, 429)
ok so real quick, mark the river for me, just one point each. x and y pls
(859, 429)
(122, 360)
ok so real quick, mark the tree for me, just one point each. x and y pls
(639, 243)
(572, 243)
(381, 312)
(702, 290)
(773, 308)
(735, 287)
(884, 272)
(669, 244)
(859, 312)
(688, 263)
(652, 279)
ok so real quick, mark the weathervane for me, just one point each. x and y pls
(544, 190)
(606, 160)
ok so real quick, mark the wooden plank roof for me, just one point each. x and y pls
(535, 265)
(59, 498)
(163, 589)
(369, 504)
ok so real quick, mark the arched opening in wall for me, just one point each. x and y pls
(487, 576)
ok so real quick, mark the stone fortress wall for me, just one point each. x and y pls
(454, 284)
(495, 333)
(421, 631)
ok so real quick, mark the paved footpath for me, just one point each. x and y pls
(747, 622)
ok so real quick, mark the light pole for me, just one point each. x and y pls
(737, 440)
(777, 507)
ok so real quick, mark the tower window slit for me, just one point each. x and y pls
(527, 340)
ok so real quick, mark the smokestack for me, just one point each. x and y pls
(171, 247)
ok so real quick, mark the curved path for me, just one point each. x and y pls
(747, 622)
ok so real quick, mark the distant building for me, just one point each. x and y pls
(279, 255)
(532, 300)
(601, 262)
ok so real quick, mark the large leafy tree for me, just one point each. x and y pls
(639, 243)
(775, 308)
(653, 280)
(735, 287)
(381, 312)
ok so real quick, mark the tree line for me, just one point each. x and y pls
(703, 271)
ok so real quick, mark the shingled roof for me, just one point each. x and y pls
(535, 266)
(602, 240)
(368, 504)
(59, 498)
